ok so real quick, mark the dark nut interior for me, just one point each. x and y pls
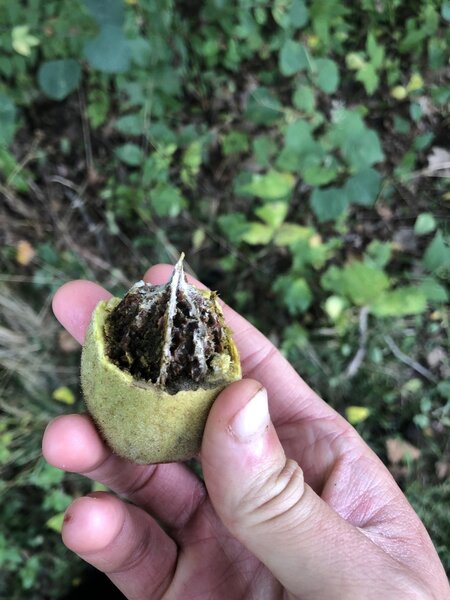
(167, 335)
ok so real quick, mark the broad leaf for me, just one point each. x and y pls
(363, 283)
(166, 200)
(273, 185)
(304, 98)
(403, 301)
(363, 187)
(437, 255)
(58, 78)
(273, 213)
(433, 290)
(290, 233)
(263, 107)
(326, 75)
(328, 204)
(130, 154)
(425, 223)
(106, 12)
(257, 234)
(109, 51)
(293, 58)
(295, 292)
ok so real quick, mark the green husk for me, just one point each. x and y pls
(140, 420)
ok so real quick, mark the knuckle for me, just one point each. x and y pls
(276, 497)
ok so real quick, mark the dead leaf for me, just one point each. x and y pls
(436, 356)
(439, 160)
(399, 450)
(24, 253)
(384, 211)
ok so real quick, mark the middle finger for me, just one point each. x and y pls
(171, 492)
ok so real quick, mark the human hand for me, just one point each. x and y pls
(294, 505)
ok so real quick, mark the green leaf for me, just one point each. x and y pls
(375, 51)
(56, 522)
(433, 290)
(282, 12)
(408, 300)
(328, 204)
(58, 78)
(295, 292)
(233, 225)
(304, 98)
(7, 120)
(333, 281)
(379, 253)
(290, 233)
(437, 255)
(299, 14)
(130, 154)
(132, 124)
(368, 76)
(293, 58)
(363, 151)
(357, 414)
(234, 142)
(445, 10)
(263, 147)
(64, 394)
(363, 187)
(298, 136)
(273, 185)
(263, 107)
(257, 234)
(167, 200)
(109, 52)
(273, 213)
(326, 75)
(363, 283)
(22, 41)
(425, 223)
(106, 12)
(319, 174)
(334, 306)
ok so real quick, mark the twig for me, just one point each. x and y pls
(404, 358)
(357, 360)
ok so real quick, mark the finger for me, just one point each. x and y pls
(122, 541)
(73, 304)
(171, 492)
(262, 498)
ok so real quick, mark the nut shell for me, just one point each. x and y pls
(139, 420)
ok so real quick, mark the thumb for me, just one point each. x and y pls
(261, 497)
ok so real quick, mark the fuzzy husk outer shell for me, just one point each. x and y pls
(139, 420)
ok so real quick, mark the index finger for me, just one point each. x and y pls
(290, 396)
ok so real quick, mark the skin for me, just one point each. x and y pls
(294, 505)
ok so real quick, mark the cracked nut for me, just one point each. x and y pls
(153, 364)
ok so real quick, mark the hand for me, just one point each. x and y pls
(293, 505)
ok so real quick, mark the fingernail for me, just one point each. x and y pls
(252, 420)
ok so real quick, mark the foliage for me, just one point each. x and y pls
(295, 150)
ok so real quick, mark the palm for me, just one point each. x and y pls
(213, 564)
